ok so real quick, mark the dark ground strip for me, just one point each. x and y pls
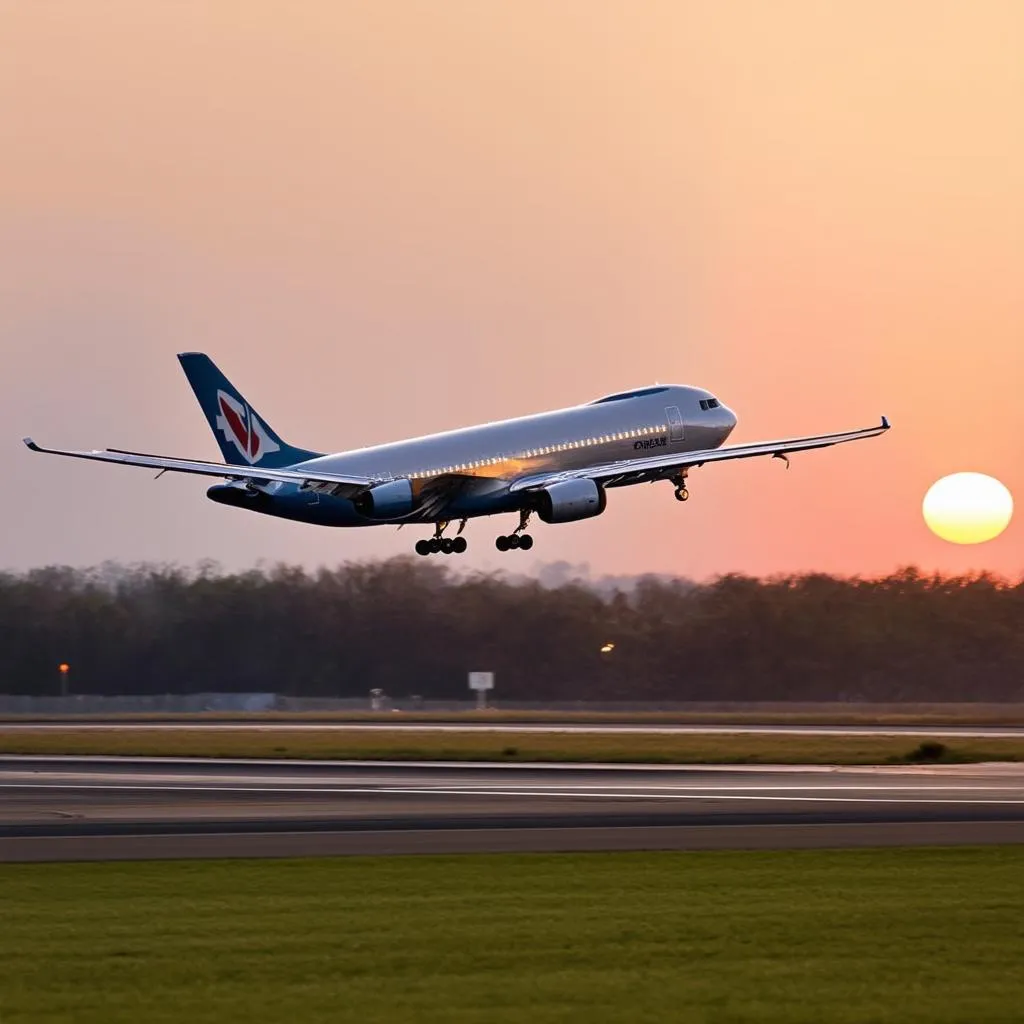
(539, 840)
(908, 815)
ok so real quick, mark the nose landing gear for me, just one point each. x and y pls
(680, 481)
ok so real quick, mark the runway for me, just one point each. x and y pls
(553, 728)
(69, 808)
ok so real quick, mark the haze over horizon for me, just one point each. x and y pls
(388, 220)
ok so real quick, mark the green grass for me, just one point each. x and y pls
(919, 935)
(410, 745)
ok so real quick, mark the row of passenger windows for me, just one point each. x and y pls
(709, 403)
(532, 453)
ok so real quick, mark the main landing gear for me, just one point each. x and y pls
(514, 542)
(441, 545)
(517, 540)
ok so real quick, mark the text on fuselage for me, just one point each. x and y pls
(651, 442)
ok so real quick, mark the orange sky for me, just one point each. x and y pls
(387, 219)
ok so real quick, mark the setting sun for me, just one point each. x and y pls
(967, 508)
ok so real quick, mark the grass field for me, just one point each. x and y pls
(410, 745)
(907, 936)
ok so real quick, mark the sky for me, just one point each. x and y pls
(389, 219)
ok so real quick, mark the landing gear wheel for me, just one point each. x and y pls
(423, 547)
(525, 542)
(682, 494)
(447, 546)
(434, 544)
(459, 545)
(501, 543)
(513, 542)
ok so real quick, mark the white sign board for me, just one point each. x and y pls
(481, 680)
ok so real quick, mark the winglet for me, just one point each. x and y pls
(885, 422)
(31, 445)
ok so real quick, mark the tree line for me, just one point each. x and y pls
(413, 626)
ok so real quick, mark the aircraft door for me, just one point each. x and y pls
(675, 423)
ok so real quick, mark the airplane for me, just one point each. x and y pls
(558, 465)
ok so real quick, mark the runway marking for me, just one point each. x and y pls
(981, 768)
(57, 780)
(407, 791)
(727, 729)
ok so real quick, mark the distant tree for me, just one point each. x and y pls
(415, 626)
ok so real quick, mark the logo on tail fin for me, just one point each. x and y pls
(244, 429)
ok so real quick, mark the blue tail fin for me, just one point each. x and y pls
(244, 437)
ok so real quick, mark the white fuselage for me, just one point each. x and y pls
(475, 471)
(656, 420)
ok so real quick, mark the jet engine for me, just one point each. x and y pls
(385, 501)
(570, 500)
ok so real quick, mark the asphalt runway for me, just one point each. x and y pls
(71, 808)
(723, 729)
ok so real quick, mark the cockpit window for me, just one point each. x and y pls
(629, 394)
(709, 403)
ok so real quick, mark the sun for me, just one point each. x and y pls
(967, 508)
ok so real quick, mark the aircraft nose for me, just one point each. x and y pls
(728, 420)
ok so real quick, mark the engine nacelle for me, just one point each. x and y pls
(385, 501)
(570, 500)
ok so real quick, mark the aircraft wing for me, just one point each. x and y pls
(334, 483)
(661, 466)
